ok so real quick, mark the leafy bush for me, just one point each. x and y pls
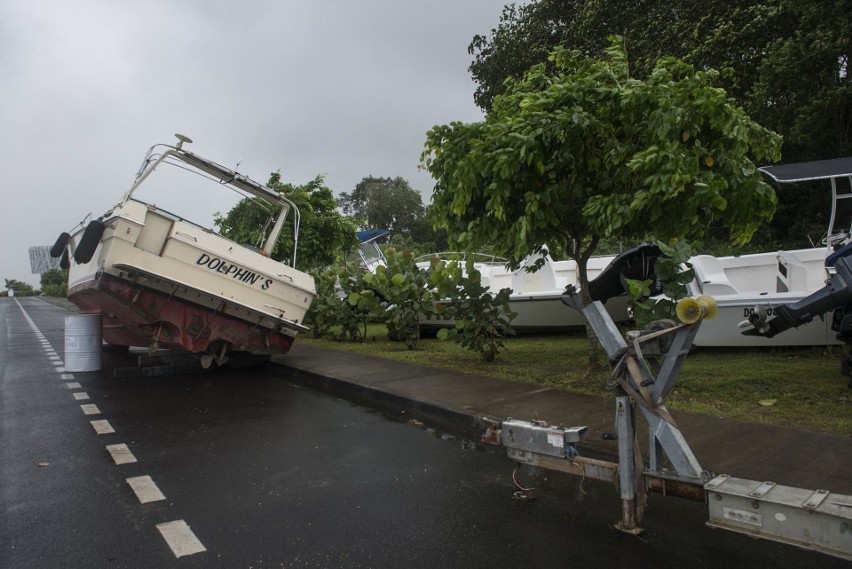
(673, 272)
(343, 305)
(482, 320)
(403, 295)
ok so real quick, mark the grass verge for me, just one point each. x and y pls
(799, 387)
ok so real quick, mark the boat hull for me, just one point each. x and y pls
(162, 282)
(134, 315)
(739, 284)
(723, 330)
(544, 312)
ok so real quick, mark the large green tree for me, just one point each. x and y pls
(20, 288)
(525, 36)
(324, 234)
(786, 64)
(55, 282)
(588, 152)
(385, 203)
(788, 59)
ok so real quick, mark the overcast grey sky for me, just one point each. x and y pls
(342, 88)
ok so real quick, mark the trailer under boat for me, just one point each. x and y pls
(162, 281)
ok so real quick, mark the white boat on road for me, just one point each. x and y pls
(162, 281)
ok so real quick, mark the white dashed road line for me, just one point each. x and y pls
(177, 534)
(180, 538)
(145, 489)
(121, 454)
(102, 427)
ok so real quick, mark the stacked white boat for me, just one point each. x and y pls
(749, 285)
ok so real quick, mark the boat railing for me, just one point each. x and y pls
(483, 258)
(223, 176)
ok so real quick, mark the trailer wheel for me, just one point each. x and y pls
(89, 242)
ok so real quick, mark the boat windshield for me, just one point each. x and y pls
(370, 253)
(187, 195)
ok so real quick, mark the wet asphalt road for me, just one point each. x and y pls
(269, 474)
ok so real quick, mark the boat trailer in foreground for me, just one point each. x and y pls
(646, 367)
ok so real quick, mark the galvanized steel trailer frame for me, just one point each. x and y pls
(646, 368)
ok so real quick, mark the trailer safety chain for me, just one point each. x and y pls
(522, 494)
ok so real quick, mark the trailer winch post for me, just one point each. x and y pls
(638, 386)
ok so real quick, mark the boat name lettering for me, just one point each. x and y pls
(236, 272)
(749, 311)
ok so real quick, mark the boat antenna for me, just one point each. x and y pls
(181, 139)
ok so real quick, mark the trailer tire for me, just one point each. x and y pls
(89, 242)
(59, 247)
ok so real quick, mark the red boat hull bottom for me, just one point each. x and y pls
(137, 316)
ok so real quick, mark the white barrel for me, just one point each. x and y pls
(11, 293)
(83, 342)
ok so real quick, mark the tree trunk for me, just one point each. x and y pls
(593, 344)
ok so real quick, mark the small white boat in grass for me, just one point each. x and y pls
(749, 288)
(743, 283)
(162, 281)
(537, 296)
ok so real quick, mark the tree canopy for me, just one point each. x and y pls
(20, 288)
(583, 151)
(385, 203)
(54, 282)
(788, 59)
(324, 234)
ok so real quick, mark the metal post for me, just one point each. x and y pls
(625, 425)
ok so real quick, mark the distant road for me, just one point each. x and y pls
(240, 469)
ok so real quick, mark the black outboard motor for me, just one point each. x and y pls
(836, 294)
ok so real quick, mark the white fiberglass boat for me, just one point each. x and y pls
(162, 281)
(537, 296)
(741, 285)
(747, 288)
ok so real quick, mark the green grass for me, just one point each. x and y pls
(805, 383)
